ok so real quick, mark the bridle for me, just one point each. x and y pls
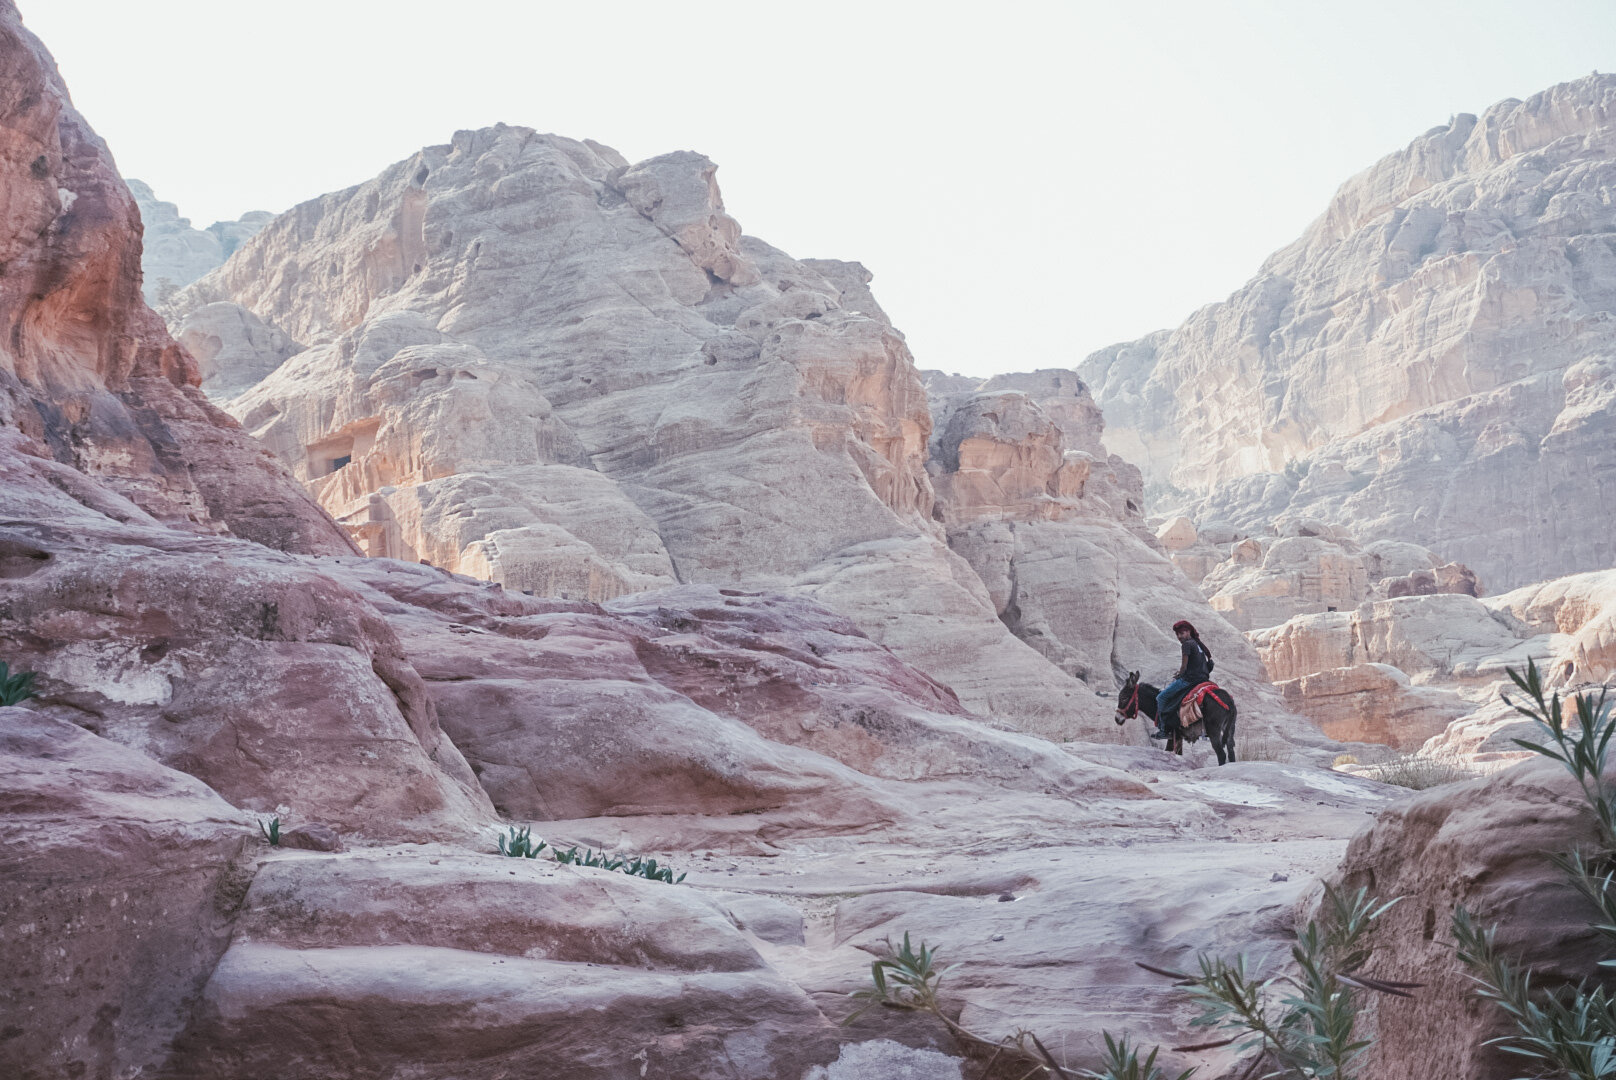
(1130, 710)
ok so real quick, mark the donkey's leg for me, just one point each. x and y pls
(1215, 731)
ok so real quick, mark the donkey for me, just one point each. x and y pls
(1136, 698)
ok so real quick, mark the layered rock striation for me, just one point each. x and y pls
(1424, 671)
(211, 657)
(533, 362)
(1434, 359)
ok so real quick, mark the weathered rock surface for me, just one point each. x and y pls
(534, 363)
(1413, 667)
(173, 253)
(120, 877)
(88, 374)
(234, 349)
(1433, 360)
(474, 966)
(1300, 566)
(820, 792)
(246, 668)
(1485, 845)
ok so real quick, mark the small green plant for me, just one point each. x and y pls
(1305, 1025)
(1569, 1031)
(1122, 1063)
(271, 830)
(15, 689)
(1584, 753)
(590, 857)
(639, 866)
(909, 978)
(518, 843)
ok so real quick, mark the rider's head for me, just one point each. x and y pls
(1185, 631)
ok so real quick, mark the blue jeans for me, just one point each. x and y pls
(1168, 700)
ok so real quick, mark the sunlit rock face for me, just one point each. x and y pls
(1434, 360)
(530, 361)
(1427, 669)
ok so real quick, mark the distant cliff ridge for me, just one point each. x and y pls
(176, 254)
(1433, 360)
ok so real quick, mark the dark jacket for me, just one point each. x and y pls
(1197, 662)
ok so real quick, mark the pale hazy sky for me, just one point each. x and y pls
(1028, 181)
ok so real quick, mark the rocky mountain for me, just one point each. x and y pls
(535, 363)
(174, 254)
(210, 655)
(1433, 361)
(218, 670)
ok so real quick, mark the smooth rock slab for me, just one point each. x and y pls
(448, 1014)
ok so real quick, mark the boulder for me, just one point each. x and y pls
(1484, 845)
(478, 967)
(121, 878)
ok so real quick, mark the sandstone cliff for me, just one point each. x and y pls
(1424, 672)
(200, 671)
(1433, 361)
(89, 377)
(535, 363)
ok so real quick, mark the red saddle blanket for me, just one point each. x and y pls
(1190, 709)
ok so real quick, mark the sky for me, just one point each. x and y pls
(1028, 181)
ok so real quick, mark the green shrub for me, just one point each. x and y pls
(271, 830)
(1306, 1026)
(1568, 1031)
(15, 689)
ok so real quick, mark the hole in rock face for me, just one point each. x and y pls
(155, 651)
(40, 167)
(19, 560)
(337, 463)
(421, 174)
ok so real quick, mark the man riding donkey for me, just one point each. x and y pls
(1210, 706)
(1194, 669)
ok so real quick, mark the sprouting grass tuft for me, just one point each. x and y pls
(271, 830)
(15, 689)
(518, 843)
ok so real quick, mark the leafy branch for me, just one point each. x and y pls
(1569, 1031)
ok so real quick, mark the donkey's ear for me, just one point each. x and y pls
(1133, 676)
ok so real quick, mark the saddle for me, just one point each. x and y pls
(1189, 710)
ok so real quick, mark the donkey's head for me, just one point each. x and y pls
(1128, 699)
